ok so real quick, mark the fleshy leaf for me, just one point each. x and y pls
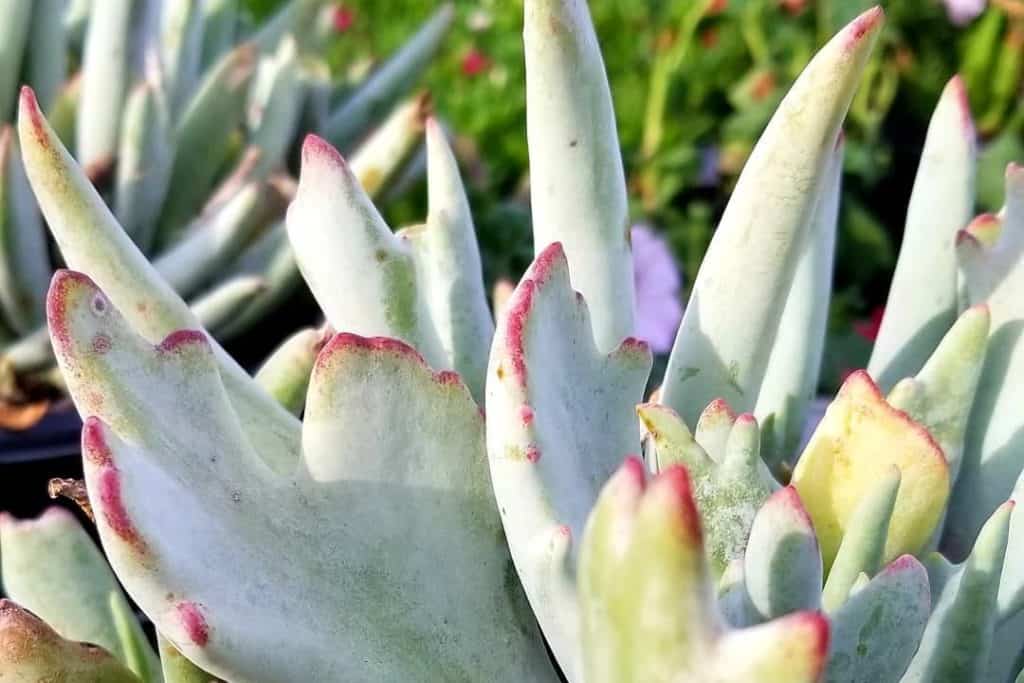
(15, 20)
(379, 159)
(958, 638)
(285, 374)
(220, 27)
(145, 158)
(45, 65)
(220, 307)
(791, 380)
(391, 144)
(863, 545)
(940, 397)
(876, 632)
(857, 442)
(994, 450)
(782, 563)
(922, 301)
(577, 182)
(202, 136)
(31, 652)
(91, 240)
(648, 611)
(24, 260)
(729, 491)
(362, 275)
(713, 428)
(398, 448)
(215, 238)
(449, 268)
(51, 567)
(277, 97)
(110, 57)
(177, 668)
(181, 44)
(724, 343)
(560, 419)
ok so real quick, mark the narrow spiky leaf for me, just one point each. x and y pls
(922, 301)
(577, 183)
(724, 343)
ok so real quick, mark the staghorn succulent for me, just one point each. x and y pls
(392, 535)
(184, 118)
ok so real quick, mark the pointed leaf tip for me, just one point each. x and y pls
(674, 489)
(316, 150)
(719, 408)
(819, 634)
(789, 498)
(864, 26)
(29, 106)
(632, 472)
(958, 89)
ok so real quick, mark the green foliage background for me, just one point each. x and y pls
(694, 83)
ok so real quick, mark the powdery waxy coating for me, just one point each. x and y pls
(724, 343)
(782, 562)
(958, 640)
(989, 255)
(731, 481)
(559, 415)
(648, 605)
(916, 316)
(91, 240)
(860, 437)
(412, 481)
(448, 266)
(878, 628)
(363, 275)
(577, 183)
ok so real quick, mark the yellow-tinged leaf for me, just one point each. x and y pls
(859, 439)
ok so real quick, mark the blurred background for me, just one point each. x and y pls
(694, 82)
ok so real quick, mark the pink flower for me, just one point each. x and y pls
(964, 11)
(869, 328)
(657, 283)
(342, 18)
(475, 62)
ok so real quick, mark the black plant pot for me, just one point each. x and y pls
(30, 458)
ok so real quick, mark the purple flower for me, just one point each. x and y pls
(964, 11)
(657, 283)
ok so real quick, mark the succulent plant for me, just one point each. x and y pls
(186, 133)
(395, 533)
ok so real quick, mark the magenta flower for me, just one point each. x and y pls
(657, 282)
(964, 11)
(342, 18)
(475, 63)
